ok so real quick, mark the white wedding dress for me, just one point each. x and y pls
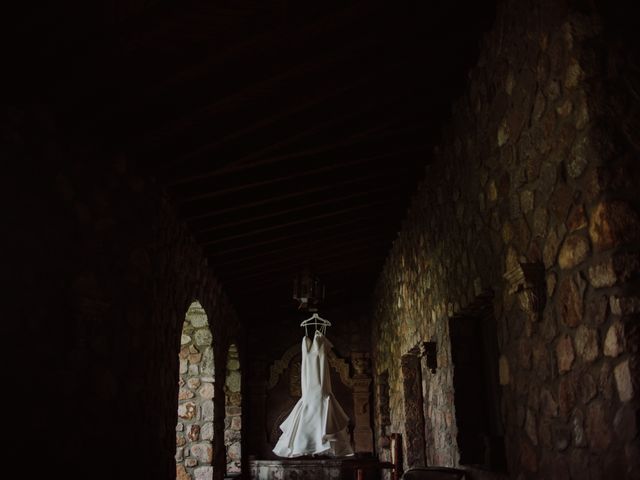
(317, 425)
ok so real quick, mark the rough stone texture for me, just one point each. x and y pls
(113, 284)
(586, 343)
(574, 251)
(613, 222)
(570, 300)
(614, 341)
(536, 177)
(233, 411)
(622, 375)
(203, 473)
(195, 328)
(565, 354)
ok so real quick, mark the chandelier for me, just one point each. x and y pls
(308, 290)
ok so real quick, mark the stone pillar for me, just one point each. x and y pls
(362, 433)
(414, 444)
(233, 411)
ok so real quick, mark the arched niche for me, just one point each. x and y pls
(194, 428)
(233, 411)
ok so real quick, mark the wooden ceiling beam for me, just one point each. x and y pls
(265, 122)
(306, 173)
(299, 208)
(342, 250)
(307, 232)
(354, 235)
(313, 218)
(295, 266)
(256, 44)
(250, 160)
(275, 199)
(235, 99)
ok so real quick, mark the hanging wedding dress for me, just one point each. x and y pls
(317, 424)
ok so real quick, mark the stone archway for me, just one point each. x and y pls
(194, 429)
(233, 411)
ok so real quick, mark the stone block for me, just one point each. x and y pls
(624, 385)
(181, 473)
(577, 429)
(185, 394)
(625, 423)
(193, 383)
(207, 410)
(624, 305)
(206, 391)
(194, 432)
(596, 310)
(203, 473)
(614, 340)
(613, 223)
(567, 393)
(550, 249)
(586, 341)
(577, 219)
(233, 381)
(531, 426)
(203, 337)
(602, 274)
(195, 358)
(203, 452)
(579, 157)
(548, 405)
(565, 354)
(587, 387)
(187, 410)
(598, 426)
(206, 431)
(574, 251)
(569, 300)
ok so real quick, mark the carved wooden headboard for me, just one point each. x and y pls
(279, 366)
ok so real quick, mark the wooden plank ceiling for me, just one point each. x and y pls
(291, 134)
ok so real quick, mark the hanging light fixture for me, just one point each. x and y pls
(308, 290)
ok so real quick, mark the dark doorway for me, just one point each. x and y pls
(414, 441)
(474, 352)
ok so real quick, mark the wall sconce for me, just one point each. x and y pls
(428, 349)
(527, 281)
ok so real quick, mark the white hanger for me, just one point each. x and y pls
(316, 321)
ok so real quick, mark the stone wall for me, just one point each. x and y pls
(535, 166)
(101, 275)
(194, 430)
(233, 412)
